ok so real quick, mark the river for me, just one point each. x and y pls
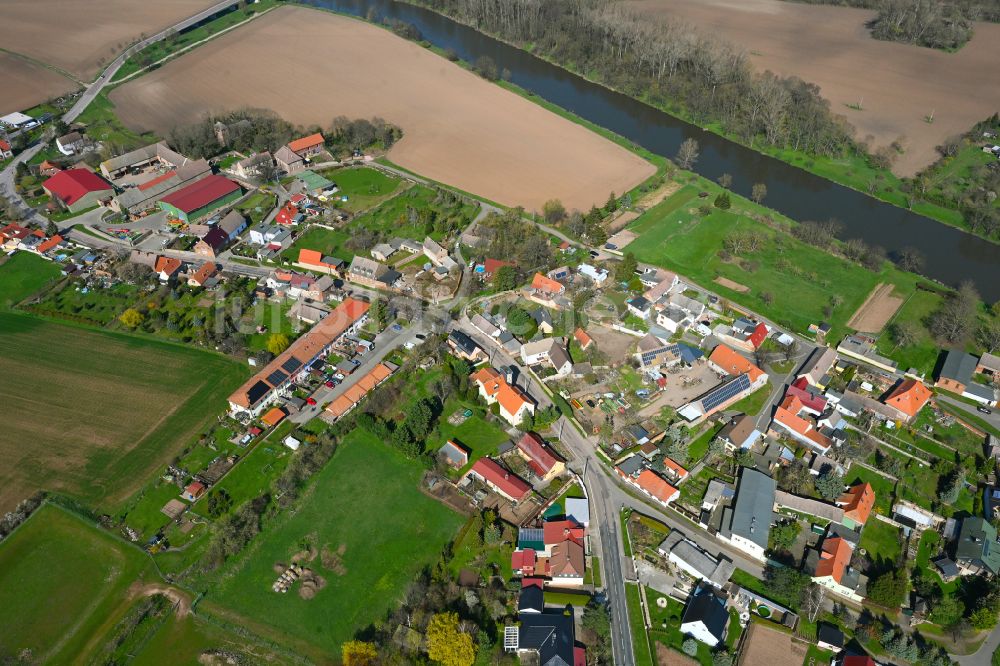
(951, 255)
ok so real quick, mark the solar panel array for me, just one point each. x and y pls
(650, 356)
(725, 392)
(291, 365)
(276, 377)
(257, 391)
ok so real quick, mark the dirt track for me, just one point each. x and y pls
(830, 46)
(458, 128)
(26, 84)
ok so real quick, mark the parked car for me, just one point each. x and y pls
(397, 328)
(984, 410)
(329, 383)
(310, 400)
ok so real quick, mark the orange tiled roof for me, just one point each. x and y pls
(655, 485)
(275, 416)
(49, 244)
(858, 502)
(675, 468)
(909, 397)
(733, 363)
(306, 142)
(583, 338)
(543, 283)
(834, 558)
(167, 265)
(206, 271)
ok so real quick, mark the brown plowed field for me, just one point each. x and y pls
(830, 46)
(877, 309)
(26, 84)
(458, 128)
(74, 35)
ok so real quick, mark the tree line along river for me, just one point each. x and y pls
(951, 255)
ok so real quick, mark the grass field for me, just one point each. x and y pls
(56, 560)
(364, 187)
(787, 280)
(640, 640)
(366, 501)
(93, 413)
(22, 275)
(881, 540)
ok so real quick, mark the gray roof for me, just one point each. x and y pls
(552, 634)
(632, 465)
(717, 489)
(978, 544)
(133, 197)
(819, 363)
(981, 390)
(958, 366)
(232, 222)
(753, 510)
(808, 505)
(558, 355)
(707, 607)
(709, 567)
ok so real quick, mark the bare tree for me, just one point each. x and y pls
(812, 601)
(687, 154)
(910, 259)
(758, 192)
(726, 180)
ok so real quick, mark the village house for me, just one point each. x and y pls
(706, 617)
(6, 152)
(307, 146)
(862, 348)
(977, 549)
(371, 273)
(747, 523)
(200, 198)
(78, 189)
(514, 404)
(726, 361)
(166, 268)
(289, 216)
(465, 347)
(639, 306)
(829, 565)
(314, 260)
(816, 370)
(485, 326)
(731, 390)
(212, 243)
(687, 556)
(491, 266)
(308, 311)
(438, 255)
(545, 291)
(634, 470)
(258, 391)
(194, 491)
(739, 433)
(382, 252)
(255, 166)
(555, 551)
(744, 334)
(957, 375)
(583, 339)
(788, 420)
(857, 503)
(202, 276)
(596, 275)
(500, 480)
(907, 399)
(543, 461)
(357, 391)
(548, 350)
(543, 636)
(72, 143)
(288, 161)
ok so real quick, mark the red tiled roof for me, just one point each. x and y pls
(14, 230)
(541, 458)
(813, 401)
(313, 258)
(306, 142)
(787, 414)
(156, 181)
(491, 266)
(834, 559)
(583, 338)
(195, 488)
(557, 531)
(855, 660)
(200, 193)
(656, 486)
(758, 335)
(508, 482)
(206, 271)
(73, 184)
(733, 363)
(909, 397)
(521, 560)
(858, 502)
(4, 145)
(286, 214)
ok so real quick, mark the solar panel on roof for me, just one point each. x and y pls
(276, 377)
(257, 391)
(648, 357)
(725, 392)
(291, 365)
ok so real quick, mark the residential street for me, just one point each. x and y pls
(993, 419)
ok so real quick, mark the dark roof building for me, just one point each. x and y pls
(705, 616)
(548, 638)
(977, 550)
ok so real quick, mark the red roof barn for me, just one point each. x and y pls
(78, 188)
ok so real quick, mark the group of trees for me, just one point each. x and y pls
(667, 64)
(509, 236)
(248, 130)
